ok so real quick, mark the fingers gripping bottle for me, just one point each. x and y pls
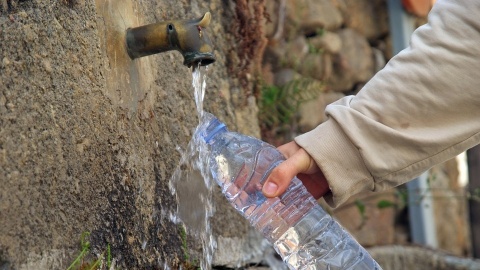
(302, 233)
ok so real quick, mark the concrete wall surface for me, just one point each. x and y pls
(88, 137)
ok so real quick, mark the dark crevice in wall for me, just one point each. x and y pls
(9, 6)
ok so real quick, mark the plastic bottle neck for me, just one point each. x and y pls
(214, 127)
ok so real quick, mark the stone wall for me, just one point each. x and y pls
(341, 44)
(337, 46)
(88, 137)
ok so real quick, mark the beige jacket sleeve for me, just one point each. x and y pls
(423, 108)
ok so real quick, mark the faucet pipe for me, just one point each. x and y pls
(187, 36)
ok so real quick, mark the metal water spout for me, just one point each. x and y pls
(187, 36)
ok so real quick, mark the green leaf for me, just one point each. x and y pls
(85, 244)
(385, 204)
(278, 105)
(361, 207)
(109, 257)
(84, 241)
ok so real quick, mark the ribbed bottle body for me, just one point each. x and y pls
(305, 236)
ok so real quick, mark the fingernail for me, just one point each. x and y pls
(270, 188)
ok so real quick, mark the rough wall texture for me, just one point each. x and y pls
(88, 138)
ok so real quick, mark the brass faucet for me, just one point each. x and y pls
(187, 36)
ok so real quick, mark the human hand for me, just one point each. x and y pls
(299, 163)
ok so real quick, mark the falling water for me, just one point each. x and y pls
(199, 84)
(190, 186)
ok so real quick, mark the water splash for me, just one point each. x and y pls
(194, 191)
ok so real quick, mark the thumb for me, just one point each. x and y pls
(280, 178)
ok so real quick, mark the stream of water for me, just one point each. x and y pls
(194, 191)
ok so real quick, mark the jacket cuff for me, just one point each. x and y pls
(331, 149)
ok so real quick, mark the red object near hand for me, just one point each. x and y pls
(418, 8)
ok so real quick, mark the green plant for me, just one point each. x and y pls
(79, 262)
(385, 204)
(188, 264)
(109, 257)
(278, 105)
(183, 237)
(312, 49)
(82, 263)
(361, 209)
(320, 31)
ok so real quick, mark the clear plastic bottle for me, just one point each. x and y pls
(302, 233)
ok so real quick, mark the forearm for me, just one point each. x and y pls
(421, 109)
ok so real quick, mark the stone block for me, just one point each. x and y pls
(273, 55)
(284, 76)
(312, 112)
(316, 65)
(296, 50)
(376, 225)
(353, 64)
(369, 18)
(310, 16)
(330, 42)
(287, 54)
